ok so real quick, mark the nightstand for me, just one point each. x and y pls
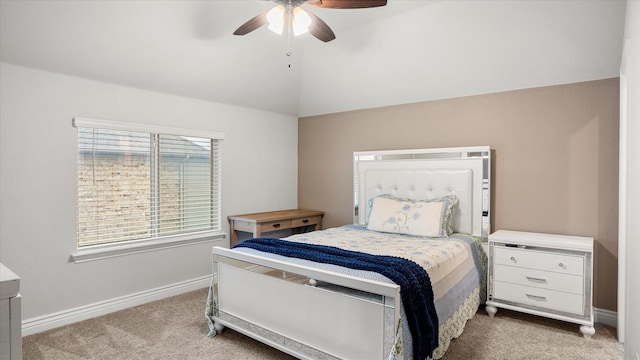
(258, 223)
(10, 315)
(542, 274)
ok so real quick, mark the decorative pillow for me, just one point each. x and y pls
(432, 218)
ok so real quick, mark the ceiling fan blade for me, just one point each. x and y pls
(320, 29)
(252, 24)
(346, 4)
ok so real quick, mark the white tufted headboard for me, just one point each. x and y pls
(428, 174)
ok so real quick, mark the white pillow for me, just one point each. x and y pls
(418, 218)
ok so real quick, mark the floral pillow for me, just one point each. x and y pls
(432, 218)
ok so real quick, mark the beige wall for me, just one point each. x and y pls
(555, 160)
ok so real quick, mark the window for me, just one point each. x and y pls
(139, 184)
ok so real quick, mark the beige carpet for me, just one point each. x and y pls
(175, 328)
(513, 335)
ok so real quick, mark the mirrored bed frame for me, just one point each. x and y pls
(313, 313)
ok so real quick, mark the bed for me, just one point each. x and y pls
(293, 300)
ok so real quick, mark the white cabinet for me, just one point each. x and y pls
(10, 315)
(542, 274)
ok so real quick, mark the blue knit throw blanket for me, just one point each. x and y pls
(415, 285)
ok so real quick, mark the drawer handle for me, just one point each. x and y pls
(513, 259)
(561, 265)
(276, 225)
(305, 221)
(536, 297)
(536, 280)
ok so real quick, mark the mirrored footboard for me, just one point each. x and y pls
(306, 312)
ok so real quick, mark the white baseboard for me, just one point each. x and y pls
(66, 317)
(606, 317)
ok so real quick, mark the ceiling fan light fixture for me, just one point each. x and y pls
(289, 14)
(275, 18)
(301, 21)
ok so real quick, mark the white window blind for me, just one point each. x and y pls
(135, 185)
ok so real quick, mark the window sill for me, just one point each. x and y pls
(106, 251)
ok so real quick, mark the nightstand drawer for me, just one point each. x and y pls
(547, 299)
(312, 220)
(540, 260)
(275, 225)
(539, 279)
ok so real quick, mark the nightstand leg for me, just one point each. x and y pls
(587, 331)
(491, 310)
(233, 235)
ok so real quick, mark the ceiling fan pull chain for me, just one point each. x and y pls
(290, 19)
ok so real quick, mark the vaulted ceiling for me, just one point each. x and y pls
(407, 51)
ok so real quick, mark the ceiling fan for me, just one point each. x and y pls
(288, 13)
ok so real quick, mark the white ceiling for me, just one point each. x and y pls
(407, 51)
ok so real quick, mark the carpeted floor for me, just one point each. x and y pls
(513, 335)
(175, 328)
